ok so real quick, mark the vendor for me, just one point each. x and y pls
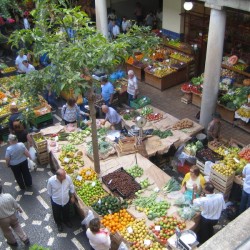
(107, 91)
(192, 181)
(132, 86)
(211, 206)
(113, 117)
(213, 129)
(70, 111)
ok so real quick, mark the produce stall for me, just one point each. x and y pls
(167, 130)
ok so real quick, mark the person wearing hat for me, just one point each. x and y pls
(107, 91)
(132, 86)
(213, 129)
(17, 127)
(16, 158)
(9, 220)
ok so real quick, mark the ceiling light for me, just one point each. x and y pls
(188, 5)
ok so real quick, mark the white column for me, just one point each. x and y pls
(213, 65)
(101, 16)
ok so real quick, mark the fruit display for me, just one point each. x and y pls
(151, 206)
(196, 81)
(69, 148)
(215, 145)
(206, 154)
(223, 169)
(147, 243)
(105, 148)
(154, 117)
(88, 173)
(245, 153)
(9, 70)
(78, 137)
(91, 192)
(135, 171)
(117, 221)
(122, 182)
(244, 111)
(159, 54)
(192, 147)
(186, 87)
(2, 95)
(162, 134)
(182, 124)
(130, 115)
(181, 57)
(144, 183)
(146, 111)
(163, 71)
(109, 205)
(165, 227)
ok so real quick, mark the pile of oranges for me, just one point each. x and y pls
(2, 95)
(117, 221)
(88, 174)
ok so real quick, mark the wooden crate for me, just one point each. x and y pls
(221, 183)
(196, 100)
(41, 146)
(43, 158)
(187, 98)
(226, 114)
(166, 81)
(201, 166)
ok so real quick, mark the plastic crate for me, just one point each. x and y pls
(43, 118)
(136, 103)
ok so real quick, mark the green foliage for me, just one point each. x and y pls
(37, 247)
(8, 7)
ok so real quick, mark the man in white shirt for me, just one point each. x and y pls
(245, 198)
(61, 191)
(19, 61)
(132, 88)
(115, 30)
(28, 67)
(211, 206)
(125, 25)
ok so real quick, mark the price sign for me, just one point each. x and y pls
(147, 242)
(110, 212)
(88, 173)
(158, 228)
(99, 201)
(66, 160)
(156, 189)
(79, 177)
(93, 184)
(130, 230)
(110, 181)
(236, 160)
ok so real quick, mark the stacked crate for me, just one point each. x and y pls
(41, 147)
(221, 182)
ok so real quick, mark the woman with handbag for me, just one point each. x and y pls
(16, 158)
(70, 111)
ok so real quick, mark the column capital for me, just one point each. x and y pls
(213, 6)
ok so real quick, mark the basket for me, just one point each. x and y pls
(138, 103)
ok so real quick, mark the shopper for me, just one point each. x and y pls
(132, 88)
(8, 219)
(125, 25)
(138, 13)
(192, 180)
(107, 91)
(28, 67)
(17, 125)
(61, 191)
(16, 158)
(98, 237)
(245, 198)
(19, 62)
(26, 23)
(113, 117)
(115, 30)
(211, 206)
(70, 111)
(213, 129)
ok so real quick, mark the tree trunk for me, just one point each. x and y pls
(91, 100)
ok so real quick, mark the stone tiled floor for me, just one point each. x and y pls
(170, 102)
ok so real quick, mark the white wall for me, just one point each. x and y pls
(171, 15)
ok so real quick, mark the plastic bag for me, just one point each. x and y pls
(88, 218)
(32, 152)
(207, 167)
(186, 213)
(31, 164)
(123, 246)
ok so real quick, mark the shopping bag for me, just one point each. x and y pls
(88, 218)
(31, 164)
(32, 152)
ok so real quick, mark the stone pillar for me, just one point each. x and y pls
(101, 16)
(213, 65)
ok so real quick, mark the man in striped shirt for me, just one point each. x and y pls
(8, 219)
(211, 206)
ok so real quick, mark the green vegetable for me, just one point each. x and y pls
(146, 111)
(171, 185)
(69, 148)
(135, 171)
(162, 134)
